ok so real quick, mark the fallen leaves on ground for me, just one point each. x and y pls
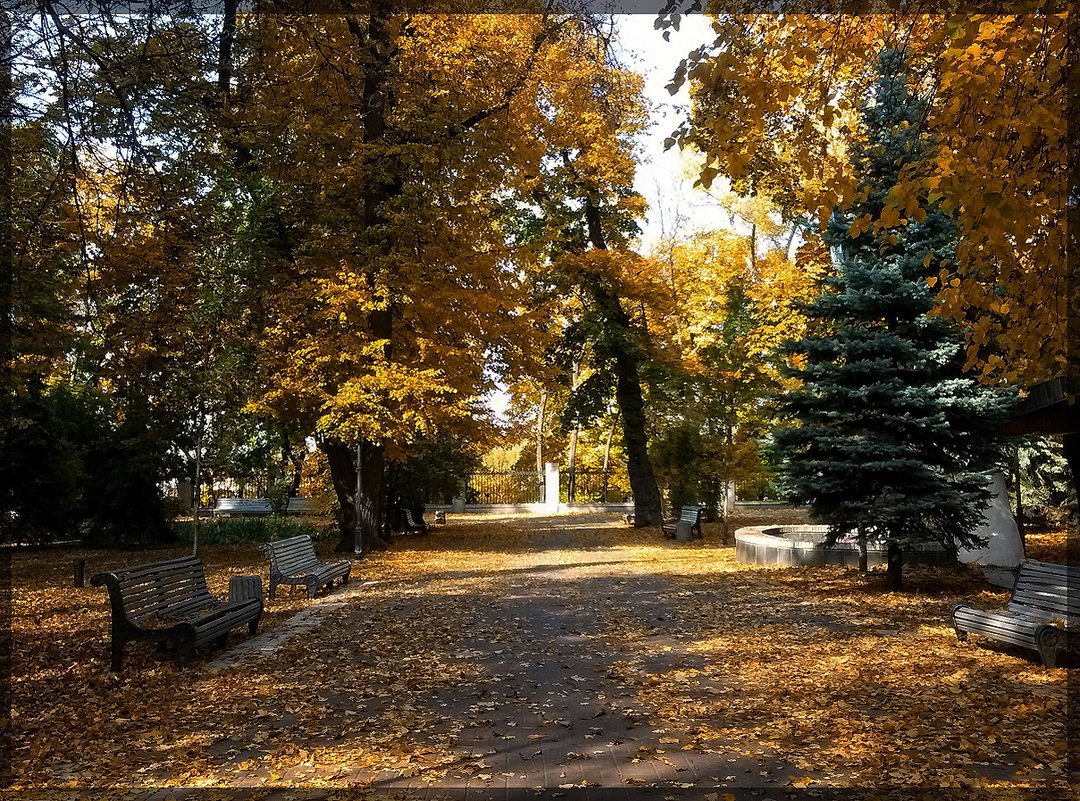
(812, 669)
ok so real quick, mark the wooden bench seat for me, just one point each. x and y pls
(168, 602)
(261, 506)
(293, 561)
(1042, 613)
(688, 524)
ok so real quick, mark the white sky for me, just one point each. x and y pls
(665, 178)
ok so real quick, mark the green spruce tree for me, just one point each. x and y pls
(893, 442)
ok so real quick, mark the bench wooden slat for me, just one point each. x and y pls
(1044, 595)
(413, 522)
(177, 590)
(262, 506)
(294, 561)
(154, 568)
(689, 516)
(173, 593)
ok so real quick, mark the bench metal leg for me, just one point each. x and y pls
(960, 633)
(221, 641)
(1048, 639)
(185, 647)
(312, 585)
(116, 663)
(253, 626)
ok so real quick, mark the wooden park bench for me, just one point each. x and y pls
(413, 522)
(261, 506)
(1042, 613)
(686, 526)
(168, 603)
(293, 561)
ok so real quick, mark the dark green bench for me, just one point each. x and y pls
(412, 521)
(1043, 608)
(686, 526)
(168, 603)
(293, 561)
(261, 506)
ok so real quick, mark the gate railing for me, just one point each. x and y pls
(505, 487)
(594, 485)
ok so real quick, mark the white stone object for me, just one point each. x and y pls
(1004, 547)
(551, 486)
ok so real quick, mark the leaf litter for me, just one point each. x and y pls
(812, 669)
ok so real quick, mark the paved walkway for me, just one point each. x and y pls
(548, 642)
(559, 716)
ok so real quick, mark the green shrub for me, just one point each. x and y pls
(72, 466)
(227, 531)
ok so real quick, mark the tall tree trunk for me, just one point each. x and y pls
(373, 494)
(7, 215)
(225, 49)
(571, 467)
(628, 395)
(378, 103)
(607, 459)
(343, 473)
(571, 454)
(894, 573)
(7, 394)
(647, 510)
(196, 514)
(339, 457)
(540, 415)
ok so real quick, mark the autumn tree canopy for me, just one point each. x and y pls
(775, 110)
(255, 225)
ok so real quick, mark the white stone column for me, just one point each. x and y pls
(551, 487)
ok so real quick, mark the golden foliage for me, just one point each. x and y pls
(776, 108)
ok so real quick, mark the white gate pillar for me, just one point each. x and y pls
(551, 487)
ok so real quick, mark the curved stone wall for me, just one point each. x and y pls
(782, 545)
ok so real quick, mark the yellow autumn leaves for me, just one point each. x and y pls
(776, 107)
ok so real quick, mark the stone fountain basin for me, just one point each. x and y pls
(803, 545)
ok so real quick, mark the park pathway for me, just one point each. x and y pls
(549, 632)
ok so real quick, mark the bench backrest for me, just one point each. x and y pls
(261, 506)
(689, 514)
(253, 506)
(1053, 589)
(173, 588)
(302, 505)
(292, 556)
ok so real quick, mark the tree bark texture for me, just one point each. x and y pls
(343, 474)
(628, 395)
(894, 573)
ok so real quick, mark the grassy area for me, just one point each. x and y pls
(231, 530)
